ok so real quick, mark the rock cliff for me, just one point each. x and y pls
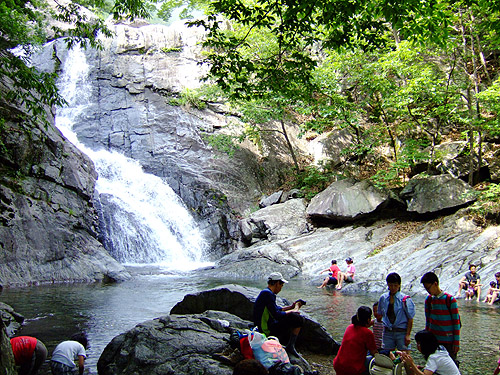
(47, 220)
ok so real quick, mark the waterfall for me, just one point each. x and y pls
(146, 222)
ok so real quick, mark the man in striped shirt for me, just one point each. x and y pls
(441, 315)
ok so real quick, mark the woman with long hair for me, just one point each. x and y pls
(437, 357)
(357, 341)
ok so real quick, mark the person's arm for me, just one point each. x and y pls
(408, 332)
(408, 362)
(326, 269)
(455, 321)
(81, 364)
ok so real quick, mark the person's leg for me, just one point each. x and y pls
(493, 298)
(399, 338)
(341, 276)
(461, 285)
(325, 281)
(388, 340)
(478, 292)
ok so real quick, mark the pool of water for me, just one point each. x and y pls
(54, 312)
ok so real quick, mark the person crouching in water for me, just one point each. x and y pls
(438, 360)
(64, 355)
(358, 340)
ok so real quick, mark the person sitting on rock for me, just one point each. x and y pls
(489, 296)
(347, 276)
(470, 276)
(29, 353)
(494, 294)
(64, 355)
(273, 320)
(333, 278)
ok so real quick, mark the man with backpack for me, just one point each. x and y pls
(398, 311)
(441, 315)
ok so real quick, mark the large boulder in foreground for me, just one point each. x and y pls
(436, 193)
(173, 344)
(239, 300)
(347, 200)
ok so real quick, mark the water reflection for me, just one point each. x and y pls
(104, 311)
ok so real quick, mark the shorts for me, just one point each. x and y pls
(332, 281)
(59, 368)
(283, 326)
(349, 279)
(392, 340)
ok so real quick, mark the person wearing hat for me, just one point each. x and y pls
(347, 276)
(273, 320)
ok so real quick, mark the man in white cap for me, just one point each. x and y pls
(273, 320)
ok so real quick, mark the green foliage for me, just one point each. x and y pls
(222, 142)
(189, 97)
(168, 50)
(189, 8)
(491, 100)
(313, 180)
(488, 201)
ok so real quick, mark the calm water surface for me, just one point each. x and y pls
(104, 311)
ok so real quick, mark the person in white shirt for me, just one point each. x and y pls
(438, 359)
(65, 354)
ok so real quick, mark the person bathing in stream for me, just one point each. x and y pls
(347, 276)
(65, 354)
(333, 278)
(491, 292)
(470, 277)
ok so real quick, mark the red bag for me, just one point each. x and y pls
(245, 348)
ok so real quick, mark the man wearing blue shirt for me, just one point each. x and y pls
(398, 311)
(274, 320)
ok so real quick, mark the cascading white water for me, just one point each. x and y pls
(147, 223)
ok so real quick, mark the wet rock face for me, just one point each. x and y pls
(47, 219)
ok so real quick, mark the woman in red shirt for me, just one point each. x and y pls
(357, 341)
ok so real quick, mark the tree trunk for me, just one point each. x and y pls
(289, 144)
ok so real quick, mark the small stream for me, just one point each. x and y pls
(54, 312)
